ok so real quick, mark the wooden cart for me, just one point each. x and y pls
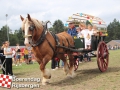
(97, 41)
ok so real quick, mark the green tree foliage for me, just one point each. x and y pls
(58, 26)
(13, 37)
(66, 28)
(3, 34)
(113, 31)
(20, 36)
(51, 29)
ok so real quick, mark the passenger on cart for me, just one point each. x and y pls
(94, 39)
(90, 33)
(95, 29)
(79, 34)
(85, 34)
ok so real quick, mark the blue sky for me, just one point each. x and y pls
(56, 9)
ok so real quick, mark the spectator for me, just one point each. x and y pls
(8, 56)
(30, 57)
(26, 55)
(14, 56)
(2, 57)
(18, 54)
(54, 64)
(62, 64)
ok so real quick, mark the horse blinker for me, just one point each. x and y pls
(32, 27)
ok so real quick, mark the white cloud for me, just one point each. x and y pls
(56, 9)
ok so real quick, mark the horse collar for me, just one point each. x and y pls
(40, 40)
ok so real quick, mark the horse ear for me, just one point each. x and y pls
(29, 18)
(21, 18)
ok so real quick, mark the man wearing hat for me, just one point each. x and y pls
(72, 30)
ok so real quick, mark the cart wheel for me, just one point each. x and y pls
(76, 64)
(102, 56)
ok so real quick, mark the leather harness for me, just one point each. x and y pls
(43, 37)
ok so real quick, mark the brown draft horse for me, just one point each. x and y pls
(44, 46)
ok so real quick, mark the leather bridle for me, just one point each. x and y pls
(42, 36)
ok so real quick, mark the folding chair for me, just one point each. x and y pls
(2, 67)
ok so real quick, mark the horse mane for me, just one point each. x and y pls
(36, 22)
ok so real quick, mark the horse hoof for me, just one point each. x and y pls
(43, 83)
(69, 76)
(74, 75)
(47, 77)
(48, 81)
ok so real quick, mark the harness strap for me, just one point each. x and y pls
(68, 42)
(42, 37)
(40, 40)
(51, 46)
(56, 38)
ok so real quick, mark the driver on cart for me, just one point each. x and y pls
(74, 33)
(72, 30)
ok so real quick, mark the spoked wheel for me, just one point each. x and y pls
(76, 63)
(102, 56)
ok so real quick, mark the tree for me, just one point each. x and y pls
(3, 34)
(13, 39)
(51, 29)
(58, 26)
(113, 30)
(65, 28)
(19, 35)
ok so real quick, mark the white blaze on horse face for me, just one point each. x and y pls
(26, 34)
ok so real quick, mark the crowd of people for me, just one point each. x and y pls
(113, 47)
(13, 56)
(17, 55)
(83, 31)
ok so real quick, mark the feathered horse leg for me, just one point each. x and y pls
(45, 72)
(71, 63)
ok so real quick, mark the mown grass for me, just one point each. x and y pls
(88, 75)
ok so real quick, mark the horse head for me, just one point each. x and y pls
(32, 29)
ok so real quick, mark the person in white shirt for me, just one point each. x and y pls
(90, 33)
(84, 33)
(95, 29)
(8, 55)
(79, 34)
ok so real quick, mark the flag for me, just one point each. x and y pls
(81, 14)
(5, 81)
(66, 24)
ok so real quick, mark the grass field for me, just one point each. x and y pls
(88, 76)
